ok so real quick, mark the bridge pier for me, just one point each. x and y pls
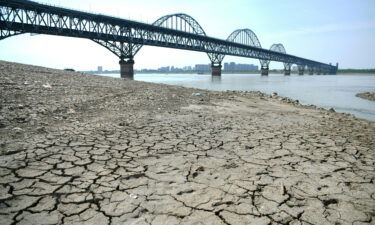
(126, 68)
(216, 69)
(301, 70)
(311, 71)
(264, 71)
(333, 69)
(287, 68)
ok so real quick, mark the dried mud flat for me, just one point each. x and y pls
(84, 149)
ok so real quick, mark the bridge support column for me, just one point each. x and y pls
(301, 69)
(216, 70)
(126, 68)
(333, 69)
(264, 71)
(311, 71)
(287, 68)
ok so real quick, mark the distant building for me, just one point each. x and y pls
(164, 69)
(232, 66)
(187, 68)
(226, 66)
(203, 67)
(100, 69)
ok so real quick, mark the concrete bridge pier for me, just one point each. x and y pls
(126, 68)
(216, 69)
(287, 68)
(301, 70)
(264, 71)
(311, 71)
(333, 69)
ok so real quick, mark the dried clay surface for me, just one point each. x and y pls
(85, 149)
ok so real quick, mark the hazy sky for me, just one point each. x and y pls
(324, 30)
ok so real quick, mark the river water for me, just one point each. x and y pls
(326, 91)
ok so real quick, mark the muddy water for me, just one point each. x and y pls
(336, 92)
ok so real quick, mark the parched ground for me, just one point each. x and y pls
(84, 149)
(367, 95)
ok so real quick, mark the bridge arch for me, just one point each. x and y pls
(178, 21)
(246, 37)
(181, 22)
(280, 48)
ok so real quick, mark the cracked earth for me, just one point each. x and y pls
(84, 149)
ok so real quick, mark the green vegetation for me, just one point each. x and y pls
(364, 71)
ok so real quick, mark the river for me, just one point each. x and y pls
(326, 91)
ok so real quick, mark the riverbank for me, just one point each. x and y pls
(367, 95)
(227, 72)
(85, 149)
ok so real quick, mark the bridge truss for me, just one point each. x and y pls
(124, 37)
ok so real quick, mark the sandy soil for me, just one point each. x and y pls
(84, 149)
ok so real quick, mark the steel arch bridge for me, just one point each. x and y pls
(124, 38)
(280, 48)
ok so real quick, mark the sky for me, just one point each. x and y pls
(326, 31)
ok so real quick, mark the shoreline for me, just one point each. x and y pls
(78, 148)
(209, 73)
(367, 95)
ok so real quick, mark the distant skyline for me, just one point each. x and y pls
(227, 66)
(326, 31)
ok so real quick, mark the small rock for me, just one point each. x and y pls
(282, 189)
(332, 110)
(133, 196)
(41, 129)
(197, 94)
(71, 111)
(47, 85)
(18, 130)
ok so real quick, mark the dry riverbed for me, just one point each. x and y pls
(84, 149)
